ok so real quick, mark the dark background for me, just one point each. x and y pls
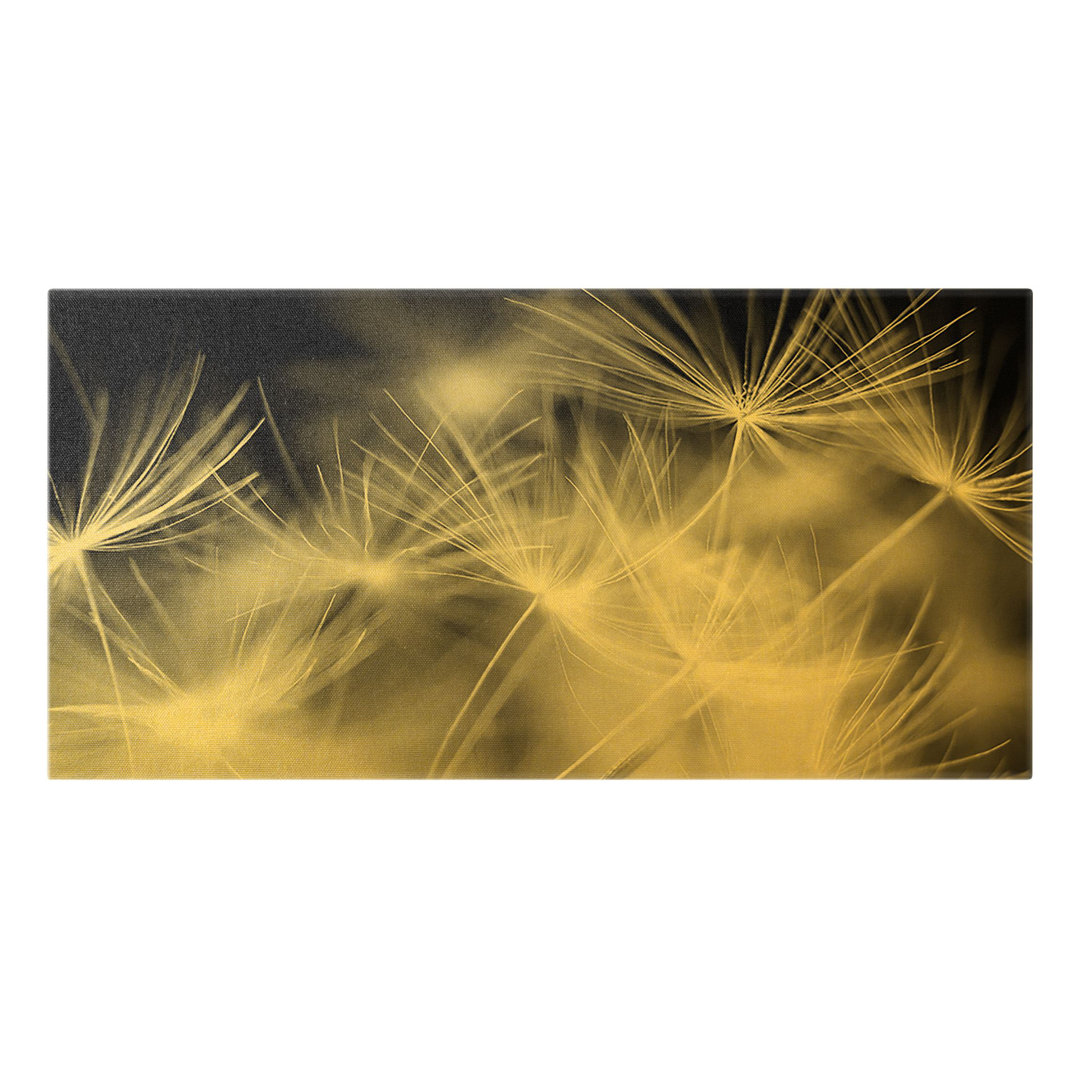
(120, 338)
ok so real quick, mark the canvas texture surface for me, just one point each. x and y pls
(540, 534)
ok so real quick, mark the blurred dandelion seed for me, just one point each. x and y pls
(711, 620)
(811, 709)
(241, 667)
(556, 534)
(345, 537)
(153, 492)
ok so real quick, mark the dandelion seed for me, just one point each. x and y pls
(347, 538)
(240, 670)
(797, 379)
(154, 490)
(712, 622)
(532, 525)
(945, 438)
(942, 438)
(810, 705)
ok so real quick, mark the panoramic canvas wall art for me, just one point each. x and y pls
(540, 534)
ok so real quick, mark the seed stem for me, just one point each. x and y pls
(80, 562)
(628, 720)
(880, 548)
(479, 683)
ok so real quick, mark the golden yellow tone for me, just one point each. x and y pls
(628, 535)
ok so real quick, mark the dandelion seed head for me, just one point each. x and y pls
(569, 602)
(941, 437)
(161, 485)
(798, 375)
(65, 550)
(216, 715)
(379, 575)
(331, 569)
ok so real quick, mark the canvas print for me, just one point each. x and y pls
(540, 534)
